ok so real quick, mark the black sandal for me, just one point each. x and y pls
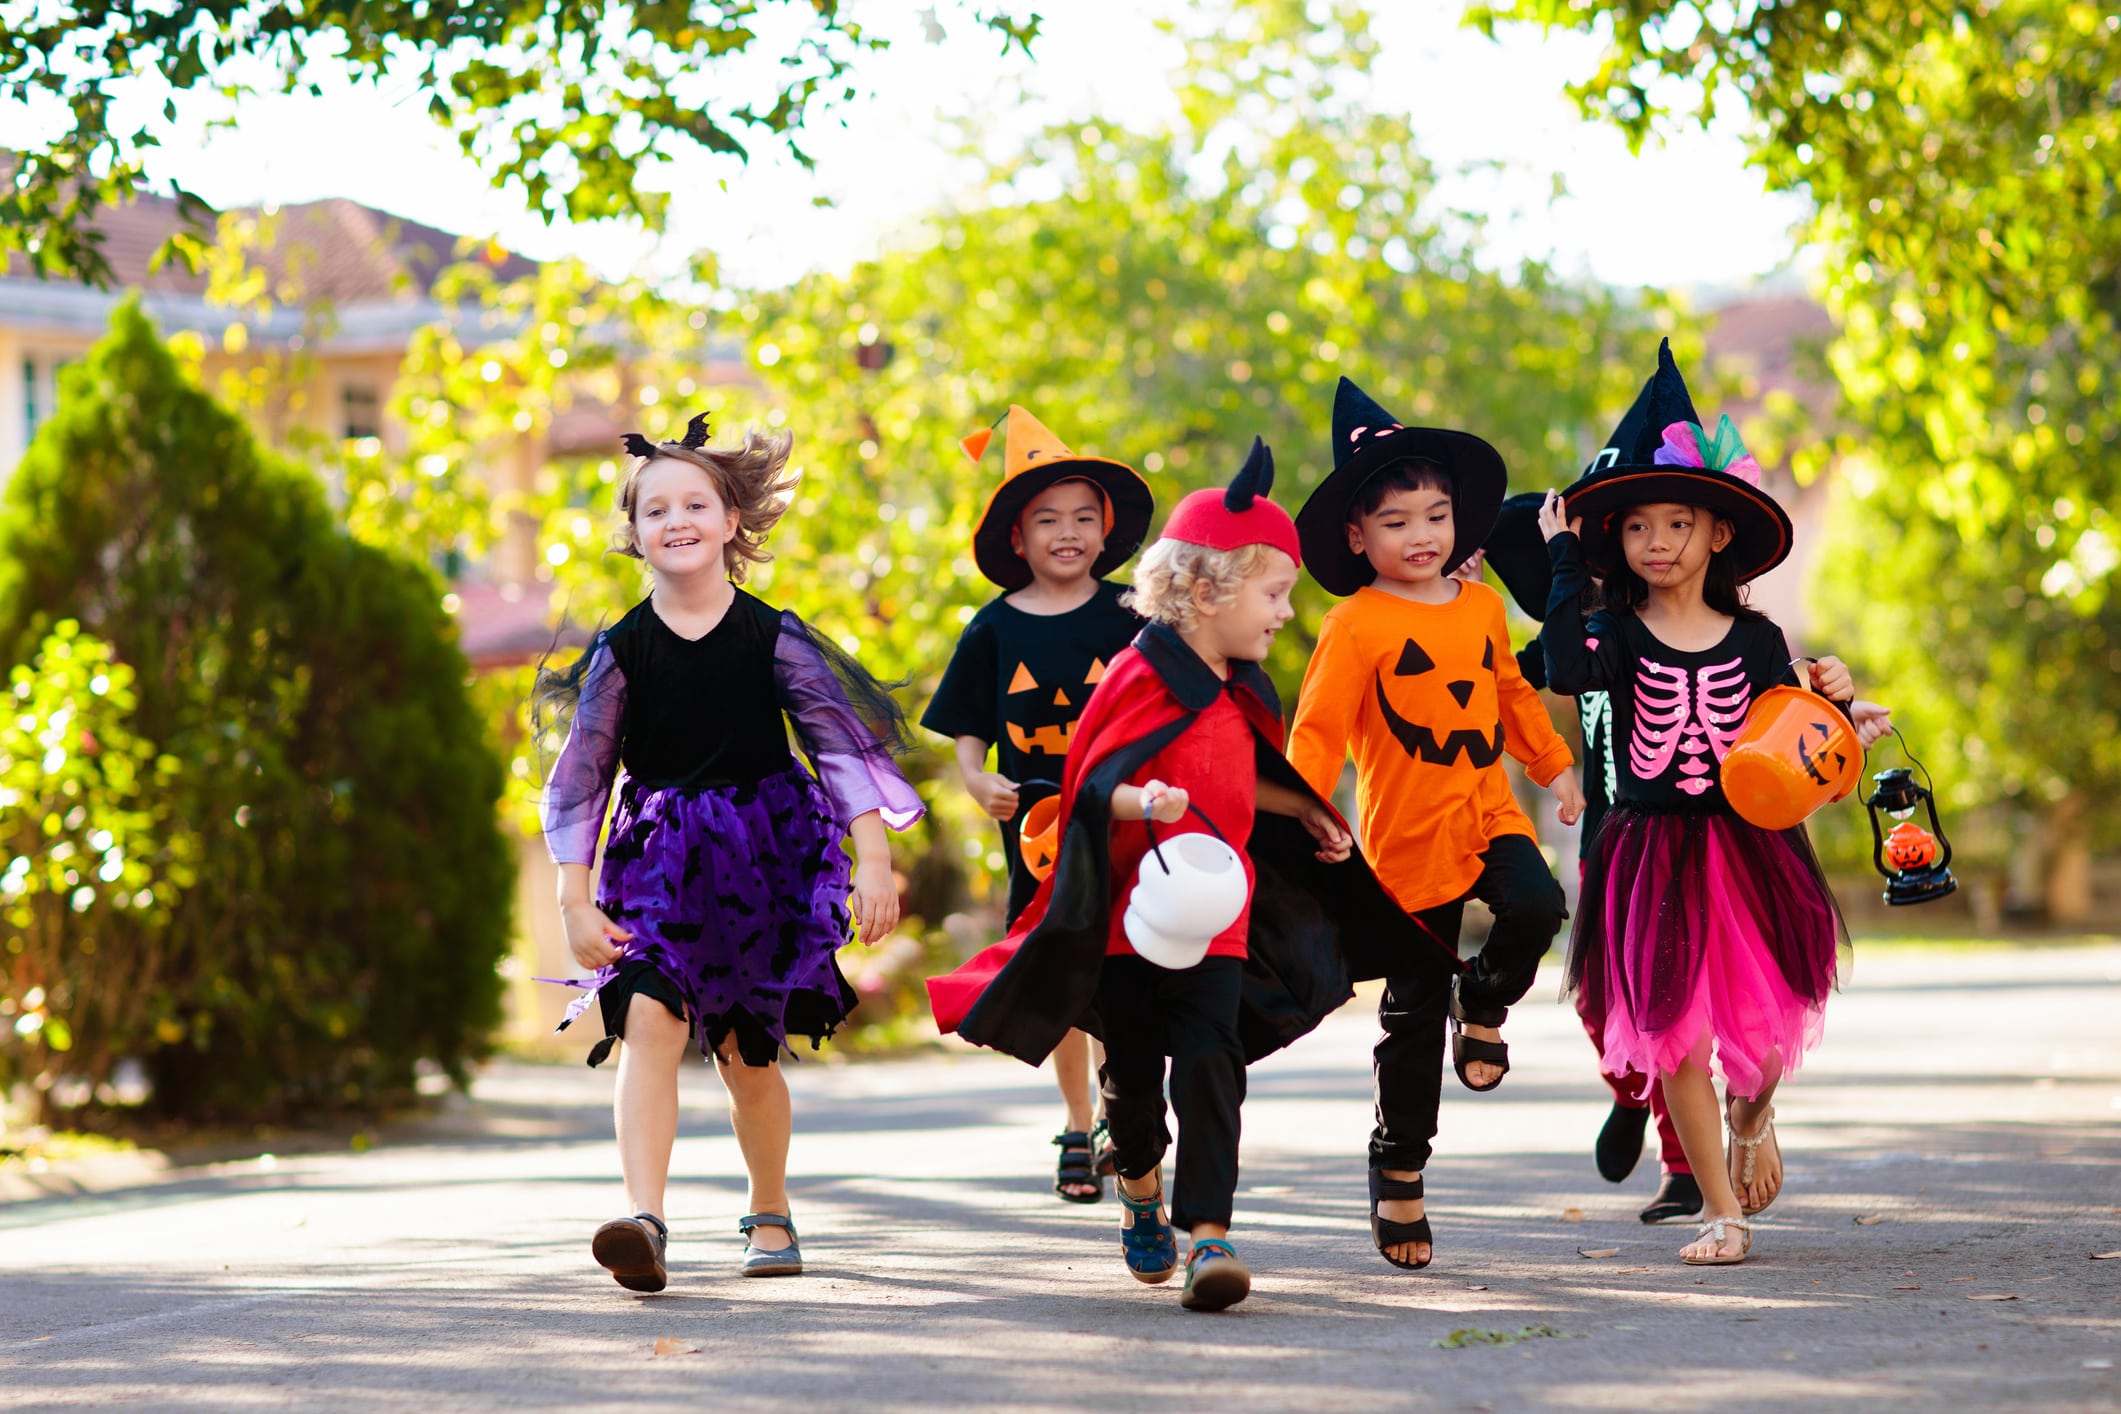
(1076, 1169)
(1465, 1050)
(1678, 1196)
(1104, 1154)
(1388, 1234)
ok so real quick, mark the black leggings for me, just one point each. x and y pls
(1150, 1012)
(1516, 884)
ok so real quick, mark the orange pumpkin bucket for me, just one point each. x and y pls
(1795, 754)
(1038, 841)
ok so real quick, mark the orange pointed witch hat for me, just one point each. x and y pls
(1034, 459)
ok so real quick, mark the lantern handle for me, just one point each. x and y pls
(1913, 760)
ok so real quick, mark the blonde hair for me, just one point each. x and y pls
(749, 479)
(1170, 569)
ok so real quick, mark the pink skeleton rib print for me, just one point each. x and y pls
(1687, 717)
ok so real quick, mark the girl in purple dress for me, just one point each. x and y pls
(723, 896)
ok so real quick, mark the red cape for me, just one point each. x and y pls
(1315, 926)
(1131, 703)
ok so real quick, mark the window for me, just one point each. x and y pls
(32, 405)
(361, 410)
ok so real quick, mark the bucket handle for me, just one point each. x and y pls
(1045, 788)
(1156, 846)
(1804, 681)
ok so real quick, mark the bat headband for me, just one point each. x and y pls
(696, 434)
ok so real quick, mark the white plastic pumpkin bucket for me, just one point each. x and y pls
(1188, 889)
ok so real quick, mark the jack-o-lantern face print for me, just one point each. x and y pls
(1441, 719)
(1820, 761)
(1910, 846)
(1040, 716)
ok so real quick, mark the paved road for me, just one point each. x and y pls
(1972, 1102)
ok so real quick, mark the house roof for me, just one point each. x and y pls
(507, 625)
(1773, 344)
(341, 251)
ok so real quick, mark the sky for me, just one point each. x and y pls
(1490, 115)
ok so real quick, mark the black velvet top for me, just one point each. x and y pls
(701, 712)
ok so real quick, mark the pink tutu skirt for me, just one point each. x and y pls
(1703, 938)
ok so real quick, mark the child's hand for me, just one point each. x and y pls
(1334, 843)
(1554, 517)
(591, 937)
(875, 898)
(1568, 795)
(1470, 570)
(1164, 804)
(1831, 679)
(1873, 722)
(995, 793)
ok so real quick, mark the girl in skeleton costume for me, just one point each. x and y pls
(1700, 938)
(724, 891)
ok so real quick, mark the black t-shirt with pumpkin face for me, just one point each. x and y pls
(1020, 680)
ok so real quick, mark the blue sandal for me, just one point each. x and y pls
(786, 1262)
(1148, 1242)
(1215, 1278)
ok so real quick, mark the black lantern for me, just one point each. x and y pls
(1916, 862)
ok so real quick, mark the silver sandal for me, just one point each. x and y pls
(1718, 1231)
(1752, 1155)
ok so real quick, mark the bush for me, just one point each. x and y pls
(338, 792)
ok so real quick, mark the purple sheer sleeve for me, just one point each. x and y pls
(579, 788)
(848, 724)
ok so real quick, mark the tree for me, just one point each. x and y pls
(337, 790)
(1963, 155)
(570, 99)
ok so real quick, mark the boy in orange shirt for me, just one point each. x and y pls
(1414, 673)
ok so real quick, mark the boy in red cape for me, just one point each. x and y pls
(1186, 729)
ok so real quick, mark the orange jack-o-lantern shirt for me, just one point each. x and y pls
(1427, 697)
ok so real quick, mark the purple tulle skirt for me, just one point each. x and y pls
(738, 895)
(1701, 937)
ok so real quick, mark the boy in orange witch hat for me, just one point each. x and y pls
(1054, 527)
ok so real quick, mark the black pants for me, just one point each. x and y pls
(1517, 886)
(1150, 1012)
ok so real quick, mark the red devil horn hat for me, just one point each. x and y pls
(1240, 514)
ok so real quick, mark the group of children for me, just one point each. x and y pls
(1121, 721)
